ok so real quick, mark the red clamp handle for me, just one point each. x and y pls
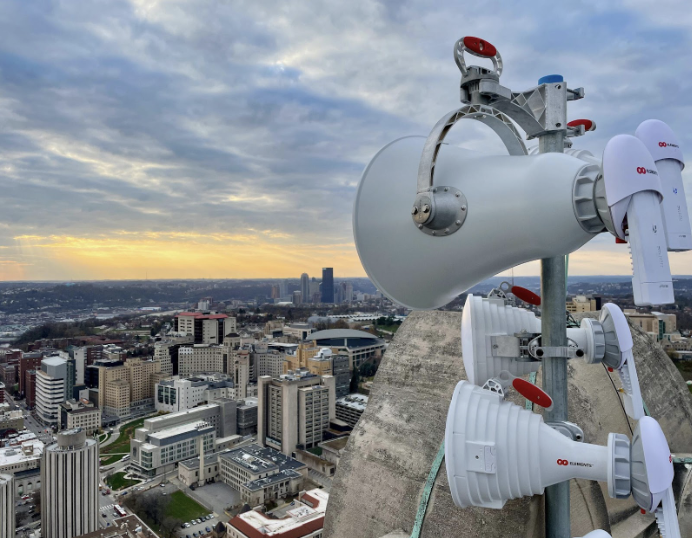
(526, 295)
(532, 393)
(479, 47)
(589, 125)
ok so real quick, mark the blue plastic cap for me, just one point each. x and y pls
(549, 79)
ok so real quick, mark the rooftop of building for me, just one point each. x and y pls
(261, 459)
(249, 402)
(341, 333)
(261, 483)
(124, 527)
(353, 401)
(28, 450)
(193, 463)
(178, 430)
(154, 421)
(306, 517)
(54, 361)
(202, 315)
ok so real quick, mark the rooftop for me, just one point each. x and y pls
(305, 518)
(27, 451)
(353, 401)
(177, 430)
(200, 315)
(54, 361)
(259, 459)
(340, 333)
(193, 463)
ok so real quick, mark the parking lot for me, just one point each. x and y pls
(198, 529)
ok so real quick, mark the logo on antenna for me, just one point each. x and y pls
(667, 144)
(642, 170)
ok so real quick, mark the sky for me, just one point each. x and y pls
(226, 139)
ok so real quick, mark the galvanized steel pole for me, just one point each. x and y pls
(554, 328)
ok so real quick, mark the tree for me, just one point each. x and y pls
(355, 380)
(169, 526)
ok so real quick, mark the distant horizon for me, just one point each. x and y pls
(496, 277)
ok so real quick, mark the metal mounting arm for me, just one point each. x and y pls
(440, 210)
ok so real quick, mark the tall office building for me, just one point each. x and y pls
(70, 481)
(327, 285)
(6, 506)
(282, 289)
(294, 410)
(305, 287)
(51, 385)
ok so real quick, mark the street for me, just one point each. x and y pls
(30, 422)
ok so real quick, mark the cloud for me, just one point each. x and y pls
(134, 128)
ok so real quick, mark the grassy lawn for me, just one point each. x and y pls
(185, 508)
(122, 444)
(111, 459)
(388, 328)
(118, 481)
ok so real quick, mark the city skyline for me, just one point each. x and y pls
(135, 145)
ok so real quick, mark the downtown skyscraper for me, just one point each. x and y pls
(328, 285)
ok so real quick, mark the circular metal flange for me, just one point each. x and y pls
(433, 199)
(440, 212)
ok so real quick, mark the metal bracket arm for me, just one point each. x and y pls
(440, 210)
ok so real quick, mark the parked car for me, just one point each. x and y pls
(194, 535)
(163, 485)
(207, 529)
(186, 525)
(103, 514)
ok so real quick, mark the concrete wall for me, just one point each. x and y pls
(381, 476)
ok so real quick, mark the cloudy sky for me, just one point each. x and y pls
(226, 138)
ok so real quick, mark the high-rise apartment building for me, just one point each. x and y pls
(305, 287)
(140, 373)
(294, 410)
(202, 358)
(51, 386)
(28, 361)
(205, 328)
(6, 506)
(114, 390)
(69, 480)
(267, 361)
(327, 285)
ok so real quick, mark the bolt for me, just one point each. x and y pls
(434, 190)
(457, 195)
(420, 226)
(434, 233)
(446, 189)
(463, 208)
(446, 230)
(426, 208)
(458, 223)
(414, 210)
(654, 228)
